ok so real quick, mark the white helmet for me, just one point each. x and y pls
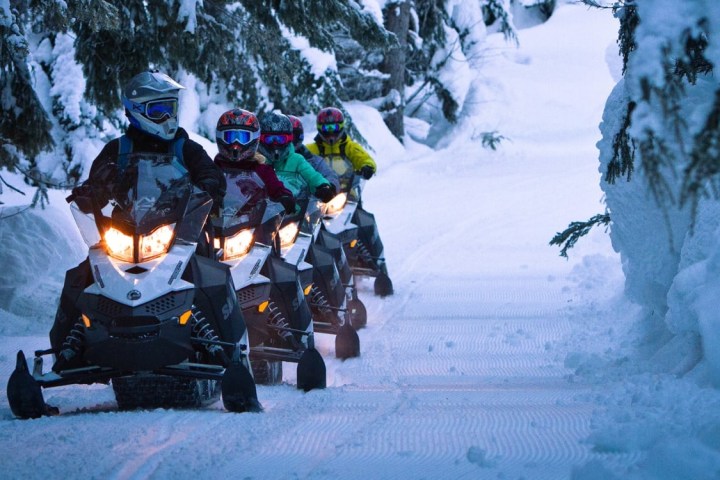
(151, 103)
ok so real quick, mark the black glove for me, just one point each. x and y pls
(325, 192)
(288, 202)
(367, 171)
(215, 209)
(82, 195)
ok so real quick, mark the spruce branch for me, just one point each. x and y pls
(568, 237)
(622, 162)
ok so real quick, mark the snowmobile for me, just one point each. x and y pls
(356, 228)
(144, 311)
(340, 295)
(319, 274)
(268, 288)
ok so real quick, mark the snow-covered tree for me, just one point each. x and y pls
(64, 63)
(659, 155)
(19, 102)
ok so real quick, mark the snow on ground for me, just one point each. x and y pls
(484, 364)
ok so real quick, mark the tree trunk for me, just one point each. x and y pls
(397, 21)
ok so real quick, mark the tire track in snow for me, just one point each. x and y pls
(514, 404)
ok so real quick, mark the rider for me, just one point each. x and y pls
(317, 162)
(334, 145)
(237, 135)
(346, 157)
(151, 105)
(276, 144)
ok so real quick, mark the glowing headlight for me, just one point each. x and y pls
(336, 204)
(119, 245)
(238, 245)
(288, 234)
(157, 243)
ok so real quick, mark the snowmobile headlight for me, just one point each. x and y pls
(336, 204)
(157, 243)
(119, 245)
(288, 234)
(238, 245)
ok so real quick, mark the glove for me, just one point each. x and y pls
(367, 171)
(288, 202)
(215, 209)
(325, 192)
(82, 195)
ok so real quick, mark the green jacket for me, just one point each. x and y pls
(296, 173)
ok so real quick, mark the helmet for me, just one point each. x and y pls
(237, 134)
(298, 133)
(330, 124)
(151, 103)
(276, 135)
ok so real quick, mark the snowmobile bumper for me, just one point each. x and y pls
(140, 338)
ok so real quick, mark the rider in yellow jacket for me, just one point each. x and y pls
(347, 157)
(337, 149)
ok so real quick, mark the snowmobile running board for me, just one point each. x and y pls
(95, 374)
(329, 307)
(273, 353)
(326, 327)
(368, 272)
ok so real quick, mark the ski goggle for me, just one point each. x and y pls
(160, 109)
(280, 139)
(243, 137)
(330, 127)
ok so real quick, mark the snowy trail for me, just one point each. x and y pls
(461, 373)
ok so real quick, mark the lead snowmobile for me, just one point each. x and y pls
(268, 288)
(144, 311)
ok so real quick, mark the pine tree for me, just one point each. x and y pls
(654, 129)
(239, 50)
(22, 106)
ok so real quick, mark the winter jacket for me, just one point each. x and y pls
(319, 164)
(344, 149)
(292, 165)
(203, 172)
(274, 187)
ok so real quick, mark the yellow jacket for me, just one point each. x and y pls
(337, 154)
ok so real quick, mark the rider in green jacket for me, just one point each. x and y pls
(276, 144)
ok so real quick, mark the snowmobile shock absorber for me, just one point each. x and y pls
(203, 332)
(277, 320)
(364, 254)
(73, 342)
(318, 300)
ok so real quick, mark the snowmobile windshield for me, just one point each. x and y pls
(142, 193)
(150, 191)
(344, 170)
(244, 203)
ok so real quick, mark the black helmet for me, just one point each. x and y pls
(276, 135)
